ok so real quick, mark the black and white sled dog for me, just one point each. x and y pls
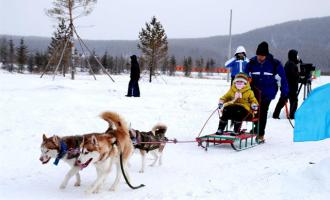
(152, 141)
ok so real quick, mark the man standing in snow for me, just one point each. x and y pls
(262, 69)
(292, 75)
(133, 86)
(237, 64)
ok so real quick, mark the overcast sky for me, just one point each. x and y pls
(123, 19)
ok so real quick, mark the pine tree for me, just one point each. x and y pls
(40, 61)
(187, 63)
(4, 52)
(111, 64)
(30, 63)
(200, 66)
(153, 44)
(212, 63)
(56, 47)
(172, 66)
(94, 64)
(207, 67)
(21, 56)
(165, 65)
(142, 63)
(11, 56)
(105, 60)
(186, 66)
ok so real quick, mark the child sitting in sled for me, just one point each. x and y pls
(237, 104)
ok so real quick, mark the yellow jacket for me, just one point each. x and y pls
(247, 97)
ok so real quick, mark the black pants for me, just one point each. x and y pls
(236, 113)
(263, 112)
(293, 99)
(133, 88)
(280, 104)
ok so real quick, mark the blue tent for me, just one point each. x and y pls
(312, 119)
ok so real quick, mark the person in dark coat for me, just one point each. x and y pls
(292, 76)
(133, 86)
(262, 69)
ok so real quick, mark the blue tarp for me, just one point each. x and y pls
(312, 119)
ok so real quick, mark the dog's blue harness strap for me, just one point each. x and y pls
(63, 150)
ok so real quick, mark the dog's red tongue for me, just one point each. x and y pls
(83, 165)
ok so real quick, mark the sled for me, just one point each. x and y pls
(238, 141)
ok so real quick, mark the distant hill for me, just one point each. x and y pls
(311, 37)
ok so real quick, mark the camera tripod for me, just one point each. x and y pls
(307, 83)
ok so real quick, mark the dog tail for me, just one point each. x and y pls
(116, 119)
(159, 128)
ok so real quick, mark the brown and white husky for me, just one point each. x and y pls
(66, 149)
(104, 151)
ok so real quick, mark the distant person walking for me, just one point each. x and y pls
(237, 63)
(133, 86)
(262, 69)
(292, 76)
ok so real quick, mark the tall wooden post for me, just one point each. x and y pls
(229, 45)
(71, 40)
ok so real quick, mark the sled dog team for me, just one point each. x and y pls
(103, 150)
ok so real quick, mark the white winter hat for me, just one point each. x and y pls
(240, 49)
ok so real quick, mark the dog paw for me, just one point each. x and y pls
(112, 188)
(96, 191)
(89, 191)
(62, 186)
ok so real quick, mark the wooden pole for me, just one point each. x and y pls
(229, 45)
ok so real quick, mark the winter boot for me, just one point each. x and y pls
(237, 127)
(221, 127)
(260, 139)
(219, 132)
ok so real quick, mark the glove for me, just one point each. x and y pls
(254, 107)
(220, 105)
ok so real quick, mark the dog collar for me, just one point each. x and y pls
(63, 150)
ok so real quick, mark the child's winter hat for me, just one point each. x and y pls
(241, 77)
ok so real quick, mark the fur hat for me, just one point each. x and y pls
(262, 49)
(241, 77)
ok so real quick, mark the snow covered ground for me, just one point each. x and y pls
(30, 106)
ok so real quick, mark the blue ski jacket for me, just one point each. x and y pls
(236, 66)
(263, 76)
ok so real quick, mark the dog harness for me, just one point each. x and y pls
(63, 150)
(147, 141)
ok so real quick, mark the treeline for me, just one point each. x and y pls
(23, 60)
(20, 59)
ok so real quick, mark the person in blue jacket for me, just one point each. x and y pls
(237, 64)
(262, 69)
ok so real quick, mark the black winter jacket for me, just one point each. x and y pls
(292, 71)
(135, 69)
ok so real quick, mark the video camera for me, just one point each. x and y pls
(305, 74)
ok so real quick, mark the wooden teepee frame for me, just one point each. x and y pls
(83, 46)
